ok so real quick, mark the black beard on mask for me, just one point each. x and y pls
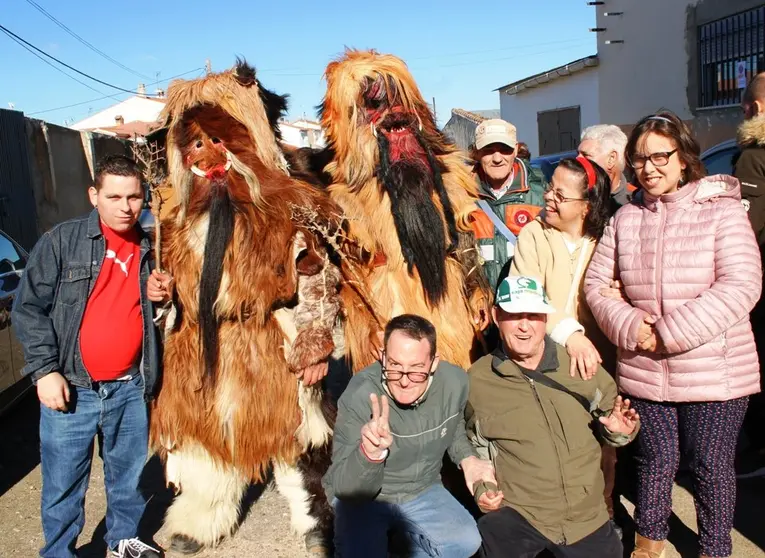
(419, 225)
(219, 232)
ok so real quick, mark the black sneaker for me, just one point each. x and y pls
(134, 548)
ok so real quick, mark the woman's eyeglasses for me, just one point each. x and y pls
(558, 197)
(658, 159)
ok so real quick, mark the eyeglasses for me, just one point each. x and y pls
(560, 198)
(658, 159)
(396, 372)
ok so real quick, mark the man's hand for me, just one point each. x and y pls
(375, 435)
(159, 287)
(585, 358)
(622, 419)
(479, 471)
(313, 374)
(53, 391)
(614, 291)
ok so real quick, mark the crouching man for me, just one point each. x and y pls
(395, 421)
(539, 426)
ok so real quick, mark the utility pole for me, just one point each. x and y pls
(434, 110)
(208, 67)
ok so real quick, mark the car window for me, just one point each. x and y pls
(721, 162)
(10, 259)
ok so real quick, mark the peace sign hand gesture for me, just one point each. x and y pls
(375, 435)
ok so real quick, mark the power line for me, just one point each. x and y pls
(83, 41)
(60, 70)
(13, 35)
(106, 96)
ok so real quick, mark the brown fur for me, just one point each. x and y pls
(355, 188)
(250, 415)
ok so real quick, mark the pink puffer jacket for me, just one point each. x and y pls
(690, 260)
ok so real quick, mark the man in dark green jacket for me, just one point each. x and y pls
(511, 192)
(395, 421)
(535, 422)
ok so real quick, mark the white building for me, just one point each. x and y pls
(135, 109)
(550, 109)
(302, 133)
(693, 57)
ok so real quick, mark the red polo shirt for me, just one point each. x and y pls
(111, 333)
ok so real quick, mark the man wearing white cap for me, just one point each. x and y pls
(511, 195)
(540, 427)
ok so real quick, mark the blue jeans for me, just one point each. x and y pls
(115, 411)
(433, 524)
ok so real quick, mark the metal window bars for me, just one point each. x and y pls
(725, 46)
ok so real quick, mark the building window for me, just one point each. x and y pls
(731, 52)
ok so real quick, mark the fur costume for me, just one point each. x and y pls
(255, 301)
(407, 195)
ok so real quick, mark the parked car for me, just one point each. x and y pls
(13, 261)
(719, 158)
(547, 163)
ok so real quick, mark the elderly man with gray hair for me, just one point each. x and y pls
(605, 144)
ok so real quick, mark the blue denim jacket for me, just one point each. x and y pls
(52, 295)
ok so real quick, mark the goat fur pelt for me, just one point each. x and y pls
(407, 195)
(255, 297)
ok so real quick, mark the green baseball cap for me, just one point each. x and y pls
(522, 295)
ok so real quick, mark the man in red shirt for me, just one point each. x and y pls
(85, 318)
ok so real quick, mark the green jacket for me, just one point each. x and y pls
(421, 436)
(519, 206)
(541, 441)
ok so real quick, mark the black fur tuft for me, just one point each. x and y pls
(420, 228)
(443, 196)
(219, 233)
(307, 164)
(245, 74)
(276, 108)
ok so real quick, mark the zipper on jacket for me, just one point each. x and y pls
(555, 448)
(659, 270)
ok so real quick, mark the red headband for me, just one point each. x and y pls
(589, 169)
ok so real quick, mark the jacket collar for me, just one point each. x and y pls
(751, 133)
(503, 366)
(519, 185)
(710, 187)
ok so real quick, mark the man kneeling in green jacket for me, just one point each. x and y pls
(385, 472)
(539, 425)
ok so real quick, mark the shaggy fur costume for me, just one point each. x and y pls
(407, 195)
(255, 301)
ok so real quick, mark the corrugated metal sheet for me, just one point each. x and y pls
(18, 214)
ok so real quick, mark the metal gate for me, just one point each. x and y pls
(18, 213)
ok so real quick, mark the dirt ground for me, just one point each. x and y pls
(265, 531)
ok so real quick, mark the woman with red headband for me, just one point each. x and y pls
(557, 248)
(690, 270)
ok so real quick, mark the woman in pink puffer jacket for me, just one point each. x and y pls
(690, 272)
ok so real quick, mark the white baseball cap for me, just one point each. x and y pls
(523, 295)
(495, 130)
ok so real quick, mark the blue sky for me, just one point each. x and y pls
(459, 52)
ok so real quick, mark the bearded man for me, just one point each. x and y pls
(254, 310)
(407, 195)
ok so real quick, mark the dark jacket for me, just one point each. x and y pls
(516, 208)
(53, 292)
(541, 440)
(750, 170)
(421, 435)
